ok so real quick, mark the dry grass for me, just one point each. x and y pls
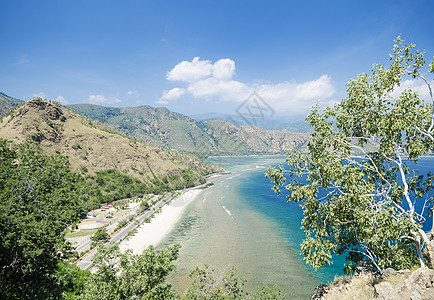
(349, 288)
(89, 145)
(362, 286)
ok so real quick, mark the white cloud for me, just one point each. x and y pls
(294, 96)
(224, 69)
(172, 94)
(224, 90)
(190, 71)
(131, 93)
(214, 81)
(161, 102)
(101, 99)
(40, 94)
(416, 85)
(98, 99)
(62, 100)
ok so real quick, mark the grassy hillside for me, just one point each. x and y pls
(92, 147)
(157, 126)
(7, 103)
(161, 127)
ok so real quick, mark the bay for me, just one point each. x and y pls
(241, 222)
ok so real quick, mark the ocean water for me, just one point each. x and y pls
(241, 222)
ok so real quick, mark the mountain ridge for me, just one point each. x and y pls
(296, 124)
(7, 103)
(171, 130)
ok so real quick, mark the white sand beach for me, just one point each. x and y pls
(153, 233)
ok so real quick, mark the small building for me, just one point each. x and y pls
(91, 214)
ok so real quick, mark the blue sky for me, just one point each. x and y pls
(200, 56)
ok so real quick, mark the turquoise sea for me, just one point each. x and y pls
(241, 222)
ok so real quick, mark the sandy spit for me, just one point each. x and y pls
(153, 233)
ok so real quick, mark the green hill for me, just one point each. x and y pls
(92, 146)
(7, 103)
(164, 128)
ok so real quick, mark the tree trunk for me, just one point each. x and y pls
(419, 252)
(430, 252)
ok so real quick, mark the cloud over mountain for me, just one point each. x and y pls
(101, 99)
(214, 81)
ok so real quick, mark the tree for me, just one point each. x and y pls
(365, 207)
(38, 200)
(210, 284)
(144, 205)
(71, 280)
(125, 275)
(121, 204)
(100, 235)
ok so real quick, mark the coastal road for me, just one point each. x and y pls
(86, 262)
(86, 245)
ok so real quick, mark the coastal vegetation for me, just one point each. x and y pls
(124, 275)
(211, 284)
(39, 198)
(100, 235)
(370, 208)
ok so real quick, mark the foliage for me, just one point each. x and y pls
(121, 204)
(144, 205)
(39, 198)
(208, 284)
(121, 224)
(267, 293)
(71, 280)
(364, 207)
(124, 275)
(100, 235)
(111, 185)
(96, 112)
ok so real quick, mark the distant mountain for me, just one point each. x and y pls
(254, 140)
(164, 128)
(274, 123)
(7, 103)
(92, 146)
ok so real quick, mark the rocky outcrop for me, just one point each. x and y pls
(390, 285)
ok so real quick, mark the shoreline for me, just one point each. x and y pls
(248, 155)
(154, 232)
